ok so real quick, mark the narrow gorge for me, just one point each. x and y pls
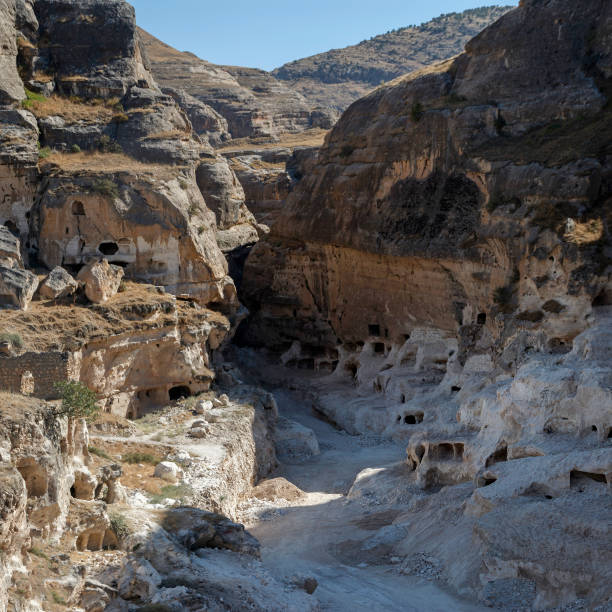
(256, 354)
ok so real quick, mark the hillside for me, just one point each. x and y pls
(252, 101)
(340, 76)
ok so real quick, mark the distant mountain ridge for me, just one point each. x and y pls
(338, 77)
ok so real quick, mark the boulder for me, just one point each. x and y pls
(180, 457)
(196, 528)
(198, 432)
(139, 580)
(294, 441)
(10, 254)
(203, 406)
(16, 287)
(101, 280)
(58, 284)
(95, 596)
(168, 471)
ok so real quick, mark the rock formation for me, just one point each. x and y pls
(252, 101)
(436, 284)
(338, 77)
(448, 255)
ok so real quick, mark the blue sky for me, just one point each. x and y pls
(268, 33)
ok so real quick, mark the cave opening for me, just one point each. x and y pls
(108, 248)
(12, 227)
(485, 481)
(414, 419)
(179, 392)
(501, 454)
(374, 329)
(351, 368)
(78, 209)
(481, 319)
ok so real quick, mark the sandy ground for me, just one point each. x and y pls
(323, 535)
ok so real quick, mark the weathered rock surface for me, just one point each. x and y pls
(10, 253)
(338, 77)
(205, 120)
(101, 280)
(106, 65)
(58, 284)
(252, 101)
(17, 285)
(448, 258)
(11, 87)
(433, 216)
(169, 471)
(294, 441)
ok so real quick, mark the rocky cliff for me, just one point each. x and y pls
(454, 196)
(338, 77)
(98, 162)
(447, 257)
(252, 101)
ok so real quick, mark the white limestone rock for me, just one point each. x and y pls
(101, 280)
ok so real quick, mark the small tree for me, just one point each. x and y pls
(77, 400)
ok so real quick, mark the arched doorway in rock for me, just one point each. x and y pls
(179, 392)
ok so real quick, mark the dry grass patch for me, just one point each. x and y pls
(169, 135)
(585, 233)
(73, 111)
(309, 138)
(106, 163)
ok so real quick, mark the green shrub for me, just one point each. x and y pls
(132, 458)
(417, 111)
(13, 339)
(58, 599)
(179, 492)
(106, 187)
(31, 97)
(98, 452)
(38, 553)
(77, 400)
(119, 526)
(194, 209)
(44, 152)
(183, 184)
(75, 148)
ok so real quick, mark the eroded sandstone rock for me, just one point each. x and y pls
(101, 280)
(58, 284)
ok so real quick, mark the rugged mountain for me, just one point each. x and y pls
(253, 102)
(338, 77)
(448, 252)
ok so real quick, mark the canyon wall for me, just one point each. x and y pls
(445, 265)
(454, 195)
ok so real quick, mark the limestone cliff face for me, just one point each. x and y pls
(122, 173)
(462, 194)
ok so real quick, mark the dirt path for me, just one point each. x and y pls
(324, 535)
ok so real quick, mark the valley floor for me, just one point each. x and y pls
(326, 535)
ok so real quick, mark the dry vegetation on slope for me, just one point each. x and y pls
(341, 76)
